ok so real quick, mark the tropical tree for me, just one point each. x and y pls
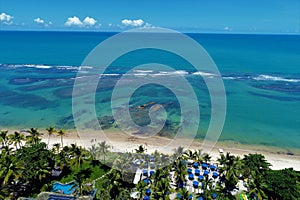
(17, 139)
(4, 138)
(180, 172)
(183, 193)
(33, 137)
(140, 188)
(141, 149)
(51, 130)
(103, 148)
(61, 133)
(78, 154)
(230, 169)
(80, 179)
(257, 187)
(206, 157)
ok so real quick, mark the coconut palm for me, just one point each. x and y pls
(33, 137)
(180, 172)
(51, 130)
(17, 139)
(61, 133)
(183, 193)
(257, 186)
(4, 138)
(103, 148)
(206, 157)
(80, 179)
(231, 171)
(140, 188)
(141, 149)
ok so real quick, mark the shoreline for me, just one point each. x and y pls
(120, 142)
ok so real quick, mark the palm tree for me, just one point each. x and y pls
(183, 193)
(180, 172)
(178, 152)
(50, 130)
(33, 137)
(3, 138)
(140, 188)
(141, 149)
(257, 187)
(230, 169)
(61, 133)
(162, 189)
(79, 155)
(103, 148)
(17, 139)
(80, 180)
(206, 157)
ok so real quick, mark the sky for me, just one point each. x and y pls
(248, 16)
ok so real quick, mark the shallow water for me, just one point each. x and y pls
(261, 74)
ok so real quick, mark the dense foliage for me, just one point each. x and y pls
(27, 165)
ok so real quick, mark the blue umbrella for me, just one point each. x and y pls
(204, 165)
(151, 159)
(145, 172)
(197, 172)
(195, 184)
(191, 176)
(191, 196)
(196, 165)
(146, 181)
(146, 198)
(205, 173)
(215, 174)
(200, 198)
(214, 195)
(179, 196)
(190, 170)
(212, 167)
(200, 178)
(148, 192)
(151, 173)
(184, 162)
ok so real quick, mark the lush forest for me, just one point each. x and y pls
(29, 166)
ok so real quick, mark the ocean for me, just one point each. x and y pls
(261, 74)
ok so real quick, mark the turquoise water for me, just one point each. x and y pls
(261, 74)
(65, 188)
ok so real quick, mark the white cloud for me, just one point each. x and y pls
(5, 18)
(134, 22)
(75, 21)
(227, 28)
(88, 21)
(39, 21)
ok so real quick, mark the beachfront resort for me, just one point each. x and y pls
(33, 169)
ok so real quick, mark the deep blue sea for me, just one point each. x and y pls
(261, 74)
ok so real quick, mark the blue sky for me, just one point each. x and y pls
(250, 16)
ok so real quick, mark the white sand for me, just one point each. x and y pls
(121, 142)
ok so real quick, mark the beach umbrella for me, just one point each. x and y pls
(214, 195)
(148, 192)
(145, 172)
(197, 172)
(204, 166)
(151, 159)
(196, 165)
(200, 198)
(191, 176)
(212, 167)
(205, 173)
(215, 174)
(190, 170)
(146, 181)
(195, 184)
(184, 162)
(146, 198)
(179, 196)
(200, 178)
(191, 196)
(152, 173)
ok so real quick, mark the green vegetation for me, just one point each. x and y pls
(27, 166)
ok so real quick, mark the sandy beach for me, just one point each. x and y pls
(121, 142)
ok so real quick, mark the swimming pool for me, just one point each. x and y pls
(64, 188)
